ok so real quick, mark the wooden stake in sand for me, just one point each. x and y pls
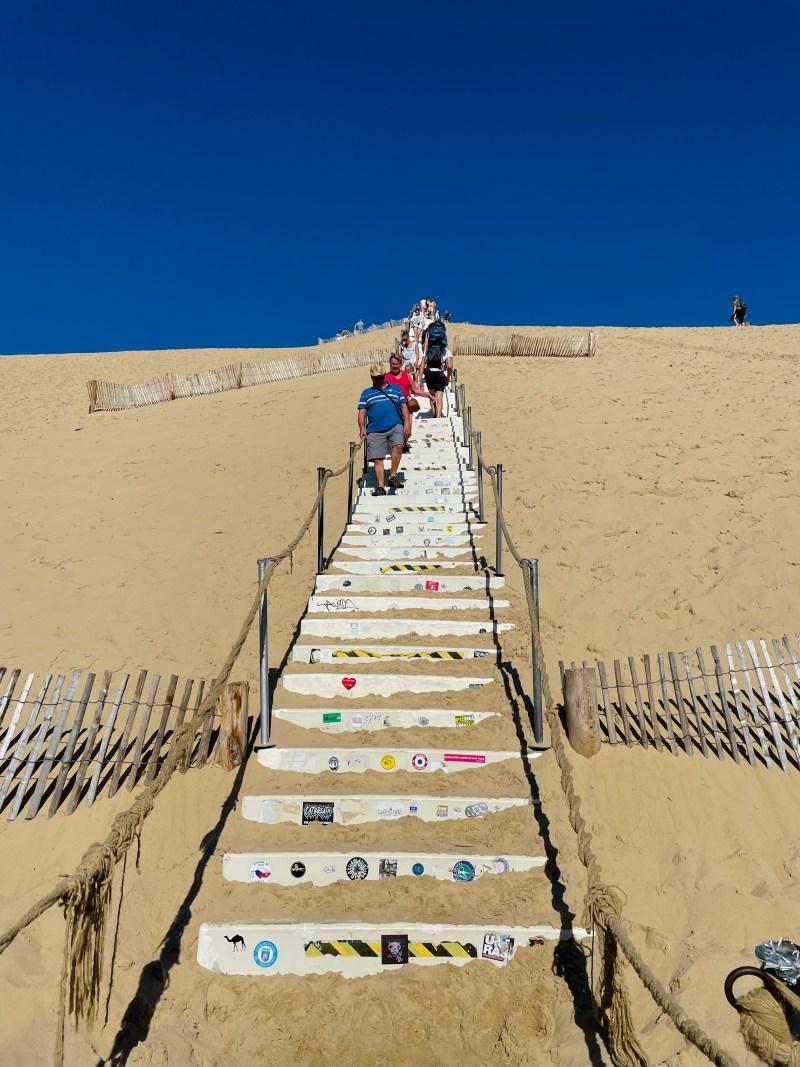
(580, 703)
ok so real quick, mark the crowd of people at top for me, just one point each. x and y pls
(421, 366)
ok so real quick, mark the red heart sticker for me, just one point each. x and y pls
(348, 683)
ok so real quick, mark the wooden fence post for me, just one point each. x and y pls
(232, 709)
(580, 703)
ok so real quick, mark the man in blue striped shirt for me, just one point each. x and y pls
(385, 422)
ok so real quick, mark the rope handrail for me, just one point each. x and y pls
(85, 895)
(603, 903)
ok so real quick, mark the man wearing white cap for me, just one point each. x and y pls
(385, 422)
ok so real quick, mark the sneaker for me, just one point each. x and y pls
(380, 491)
(395, 483)
(406, 449)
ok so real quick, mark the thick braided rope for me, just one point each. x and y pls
(603, 905)
(85, 894)
(764, 1023)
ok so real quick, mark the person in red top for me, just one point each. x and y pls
(402, 379)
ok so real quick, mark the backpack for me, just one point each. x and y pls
(436, 359)
(437, 334)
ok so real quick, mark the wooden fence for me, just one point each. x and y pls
(119, 396)
(64, 740)
(742, 701)
(524, 344)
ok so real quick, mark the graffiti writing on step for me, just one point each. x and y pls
(339, 603)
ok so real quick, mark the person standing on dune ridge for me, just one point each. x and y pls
(739, 313)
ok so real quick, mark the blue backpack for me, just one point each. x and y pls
(437, 334)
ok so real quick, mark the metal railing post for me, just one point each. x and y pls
(320, 522)
(479, 453)
(455, 394)
(498, 541)
(353, 449)
(264, 694)
(462, 399)
(538, 725)
(467, 429)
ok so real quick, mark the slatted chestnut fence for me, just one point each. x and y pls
(67, 739)
(741, 701)
(524, 344)
(119, 396)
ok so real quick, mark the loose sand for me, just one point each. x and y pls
(656, 483)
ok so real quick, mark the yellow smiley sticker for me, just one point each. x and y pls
(388, 762)
(449, 529)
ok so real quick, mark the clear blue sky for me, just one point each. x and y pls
(251, 173)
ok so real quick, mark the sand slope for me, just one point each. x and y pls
(658, 487)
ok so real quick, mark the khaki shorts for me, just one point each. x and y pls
(381, 442)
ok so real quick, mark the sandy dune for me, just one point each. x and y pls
(657, 484)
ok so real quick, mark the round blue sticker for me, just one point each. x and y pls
(463, 871)
(417, 869)
(265, 953)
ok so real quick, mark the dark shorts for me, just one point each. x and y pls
(381, 442)
(435, 381)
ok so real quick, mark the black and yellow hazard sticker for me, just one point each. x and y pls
(416, 568)
(423, 507)
(371, 949)
(415, 653)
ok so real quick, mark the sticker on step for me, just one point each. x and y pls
(371, 530)
(333, 763)
(266, 954)
(463, 871)
(474, 811)
(463, 757)
(318, 811)
(442, 811)
(331, 716)
(261, 871)
(394, 948)
(388, 762)
(387, 868)
(419, 761)
(356, 869)
(349, 683)
(497, 947)
(294, 761)
(297, 869)
(465, 720)
(432, 587)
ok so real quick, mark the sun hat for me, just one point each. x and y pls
(377, 370)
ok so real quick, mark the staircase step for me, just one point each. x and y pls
(342, 604)
(343, 653)
(353, 629)
(358, 760)
(452, 480)
(353, 948)
(407, 566)
(380, 583)
(355, 686)
(390, 540)
(411, 533)
(461, 553)
(411, 522)
(356, 808)
(463, 499)
(325, 868)
(345, 720)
